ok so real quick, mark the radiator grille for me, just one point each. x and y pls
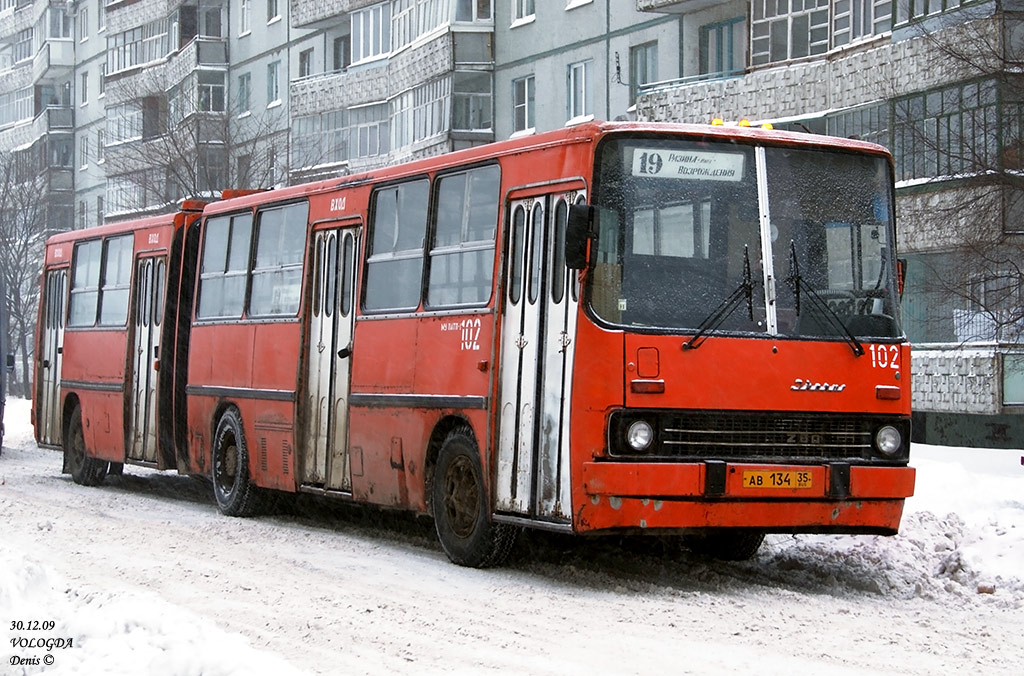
(732, 435)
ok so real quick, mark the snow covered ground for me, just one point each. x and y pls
(143, 576)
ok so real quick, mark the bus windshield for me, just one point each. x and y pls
(689, 239)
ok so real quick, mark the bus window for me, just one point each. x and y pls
(117, 275)
(85, 283)
(462, 258)
(277, 268)
(394, 269)
(225, 265)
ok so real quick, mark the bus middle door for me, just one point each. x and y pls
(331, 323)
(537, 346)
(150, 278)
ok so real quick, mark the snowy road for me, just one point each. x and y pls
(147, 577)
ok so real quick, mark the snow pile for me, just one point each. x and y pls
(126, 632)
(962, 536)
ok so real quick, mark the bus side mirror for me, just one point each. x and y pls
(901, 275)
(578, 233)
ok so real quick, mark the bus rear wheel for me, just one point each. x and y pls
(84, 470)
(461, 518)
(235, 493)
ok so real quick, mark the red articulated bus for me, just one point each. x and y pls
(616, 327)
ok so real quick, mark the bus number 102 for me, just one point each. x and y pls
(885, 356)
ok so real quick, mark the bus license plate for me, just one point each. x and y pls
(759, 478)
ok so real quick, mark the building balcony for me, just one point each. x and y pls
(325, 13)
(373, 82)
(54, 61)
(52, 119)
(16, 19)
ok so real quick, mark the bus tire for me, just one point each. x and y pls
(726, 544)
(84, 470)
(461, 517)
(234, 491)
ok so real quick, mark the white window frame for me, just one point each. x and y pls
(523, 11)
(524, 100)
(371, 32)
(578, 82)
(274, 84)
(244, 18)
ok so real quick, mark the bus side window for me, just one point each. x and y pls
(277, 267)
(225, 266)
(85, 283)
(398, 225)
(117, 275)
(462, 257)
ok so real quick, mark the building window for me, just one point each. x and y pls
(580, 98)
(81, 215)
(83, 151)
(273, 12)
(947, 132)
(101, 22)
(471, 100)
(473, 10)
(856, 19)
(371, 32)
(342, 52)
(103, 79)
(723, 47)
(84, 94)
(780, 31)
(99, 210)
(522, 104)
(59, 24)
(22, 46)
(306, 62)
(83, 24)
(368, 130)
(101, 142)
(211, 91)
(273, 83)
(244, 82)
(244, 25)
(522, 9)
(421, 113)
(643, 67)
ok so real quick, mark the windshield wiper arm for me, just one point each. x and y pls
(797, 283)
(727, 307)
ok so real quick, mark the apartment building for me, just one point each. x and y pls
(937, 81)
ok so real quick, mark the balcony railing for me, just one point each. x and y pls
(54, 60)
(661, 85)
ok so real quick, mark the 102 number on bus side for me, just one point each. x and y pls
(885, 356)
(469, 332)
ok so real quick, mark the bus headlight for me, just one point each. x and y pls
(639, 435)
(888, 440)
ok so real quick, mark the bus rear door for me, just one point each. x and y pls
(537, 345)
(332, 314)
(51, 349)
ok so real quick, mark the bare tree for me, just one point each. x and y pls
(969, 136)
(22, 240)
(190, 147)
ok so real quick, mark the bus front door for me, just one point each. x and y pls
(331, 317)
(51, 350)
(150, 276)
(537, 346)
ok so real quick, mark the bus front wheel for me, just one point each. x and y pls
(468, 535)
(84, 470)
(235, 493)
(726, 544)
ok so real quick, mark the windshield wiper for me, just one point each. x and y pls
(797, 283)
(727, 307)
